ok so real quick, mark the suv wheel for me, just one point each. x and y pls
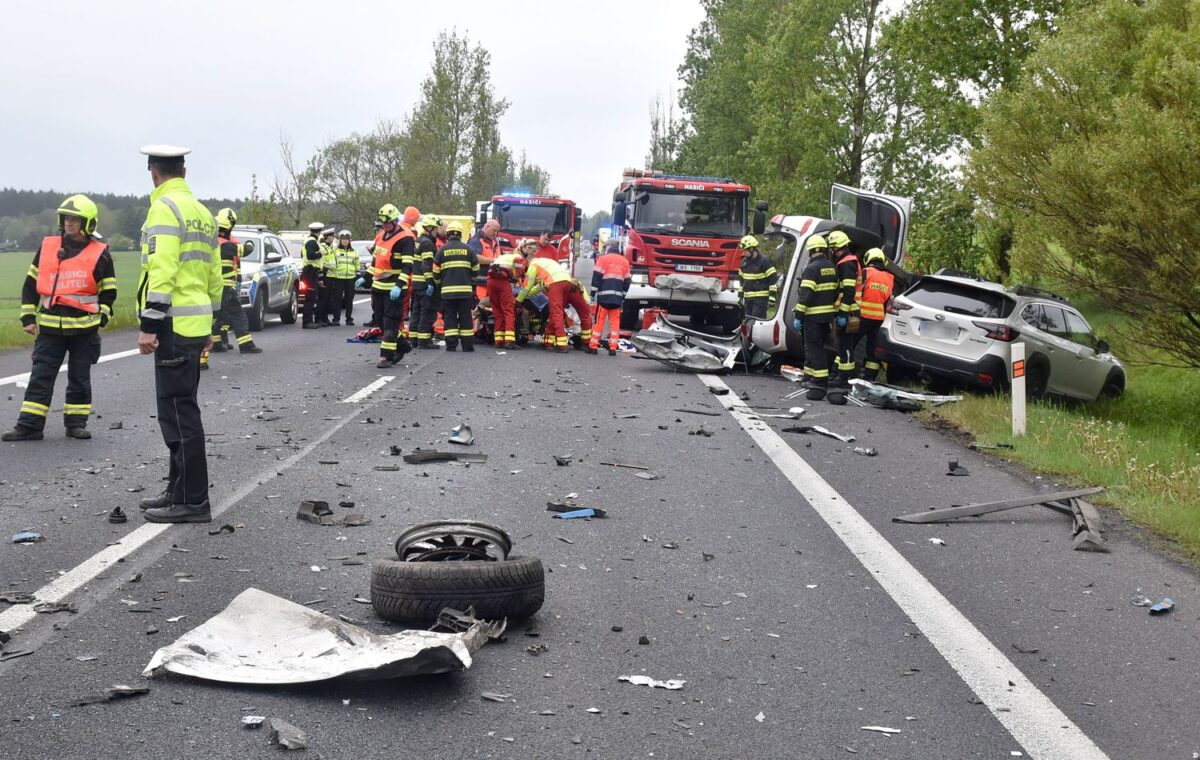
(1037, 378)
(1114, 385)
(291, 311)
(256, 317)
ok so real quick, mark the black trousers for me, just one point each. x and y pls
(393, 345)
(845, 344)
(341, 297)
(49, 350)
(870, 338)
(817, 336)
(311, 278)
(430, 306)
(457, 318)
(378, 299)
(756, 307)
(417, 305)
(176, 384)
(231, 317)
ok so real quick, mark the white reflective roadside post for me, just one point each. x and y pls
(1017, 364)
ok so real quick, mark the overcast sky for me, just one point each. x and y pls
(87, 83)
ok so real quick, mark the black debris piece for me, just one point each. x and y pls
(536, 649)
(424, 456)
(49, 607)
(117, 516)
(113, 693)
(313, 511)
(956, 469)
(563, 461)
(698, 411)
(718, 391)
(703, 431)
(617, 629)
(386, 468)
(562, 507)
(644, 640)
(226, 528)
(115, 425)
(628, 466)
(16, 597)
(394, 450)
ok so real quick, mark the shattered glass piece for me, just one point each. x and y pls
(462, 435)
(263, 639)
(253, 721)
(286, 735)
(653, 683)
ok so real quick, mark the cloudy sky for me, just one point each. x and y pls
(87, 83)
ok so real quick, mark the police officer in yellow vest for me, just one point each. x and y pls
(180, 289)
(67, 297)
(341, 270)
(327, 266)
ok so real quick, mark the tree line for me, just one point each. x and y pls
(1046, 141)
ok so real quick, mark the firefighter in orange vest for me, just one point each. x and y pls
(394, 247)
(610, 282)
(847, 323)
(67, 297)
(878, 285)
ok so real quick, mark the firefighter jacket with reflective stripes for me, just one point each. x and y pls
(390, 252)
(758, 276)
(818, 291)
(540, 274)
(231, 261)
(850, 283)
(410, 262)
(503, 267)
(610, 280)
(313, 256)
(876, 292)
(423, 259)
(62, 315)
(181, 269)
(454, 268)
(345, 263)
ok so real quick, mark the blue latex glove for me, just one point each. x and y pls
(396, 293)
(429, 290)
(360, 283)
(842, 320)
(798, 324)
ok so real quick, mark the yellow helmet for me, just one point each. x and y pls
(816, 242)
(749, 241)
(82, 207)
(431, 220)
(455, 226)
(839, 239)
(226, 219)
(875, 256)
(389, 213)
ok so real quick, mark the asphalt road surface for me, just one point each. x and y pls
(763, 568)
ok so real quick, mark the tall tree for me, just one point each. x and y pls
(1096, 155)
(360, 173)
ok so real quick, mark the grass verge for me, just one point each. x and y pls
(13, 267)
(1144, 448)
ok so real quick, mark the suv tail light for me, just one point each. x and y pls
(998, 332)
(896, 307)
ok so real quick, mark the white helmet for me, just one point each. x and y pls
(315, 227)
(344, 233)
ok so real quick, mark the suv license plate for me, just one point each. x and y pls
(689, 267)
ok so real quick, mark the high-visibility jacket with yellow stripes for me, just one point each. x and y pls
(181, 268)
(540, 274)
(454, 268)
(345, 263)
(850, 284)
(758, 276)
(818, 294)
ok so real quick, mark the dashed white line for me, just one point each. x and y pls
(1042, 729)
(107, 358)
(367, 391)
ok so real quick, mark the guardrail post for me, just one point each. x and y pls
(1017, 384)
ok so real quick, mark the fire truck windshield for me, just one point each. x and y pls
(683, 213)
(531, 219)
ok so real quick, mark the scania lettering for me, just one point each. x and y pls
(680, 234)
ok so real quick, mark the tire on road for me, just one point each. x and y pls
(256, 316)
(289, 313)
(1037, 377)
(415, 592)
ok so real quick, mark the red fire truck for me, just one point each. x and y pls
(680, 234)
(524, 215)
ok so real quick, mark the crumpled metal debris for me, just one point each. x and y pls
(117, 691)
(286, 735)
(422, 456)
(318, 512)
(462, 435)
(263, 639)
(17, 597)
(894, 397)
(48, 607)
(820, 430)
(1163, 607)
(653, 682)
(28, 537)
(253, 721)
(675, 346)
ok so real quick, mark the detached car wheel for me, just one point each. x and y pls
(415, 592)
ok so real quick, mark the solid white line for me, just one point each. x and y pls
(25, 375)
(1034, 721)
(362, 300)
(367, 391)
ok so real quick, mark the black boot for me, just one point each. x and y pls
(612, 352)
(837, 396)
(250, 348)
(180, 513)
(79, 432)
(815, 393)
(157, 502)
(451, 346)
(22, 433)
(219, 347)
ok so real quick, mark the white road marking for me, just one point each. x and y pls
(367, 391)
(1042, 729)
(79, 576)
(110, 357)
(362, 300)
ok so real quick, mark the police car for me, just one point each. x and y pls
(270, 276)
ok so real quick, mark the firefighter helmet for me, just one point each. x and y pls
(431, 221)
(226, 219)
(748, 242)
(839, 239)
(82, 207)
(388, 213)
(815, 243)
(455, 227)
(875, 256)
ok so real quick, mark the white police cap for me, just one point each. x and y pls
(165, 152)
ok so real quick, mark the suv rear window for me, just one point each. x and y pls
(958, 298)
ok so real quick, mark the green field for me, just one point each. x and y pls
(1144, 448)
(13, 267)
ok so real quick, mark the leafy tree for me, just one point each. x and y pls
(1096, 152)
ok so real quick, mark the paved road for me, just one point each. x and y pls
(814, 617)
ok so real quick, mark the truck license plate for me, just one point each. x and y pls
(689, 267)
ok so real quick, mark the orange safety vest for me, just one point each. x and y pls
(383, 253)
(877, 289)
(489, 250)
(70, 282)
